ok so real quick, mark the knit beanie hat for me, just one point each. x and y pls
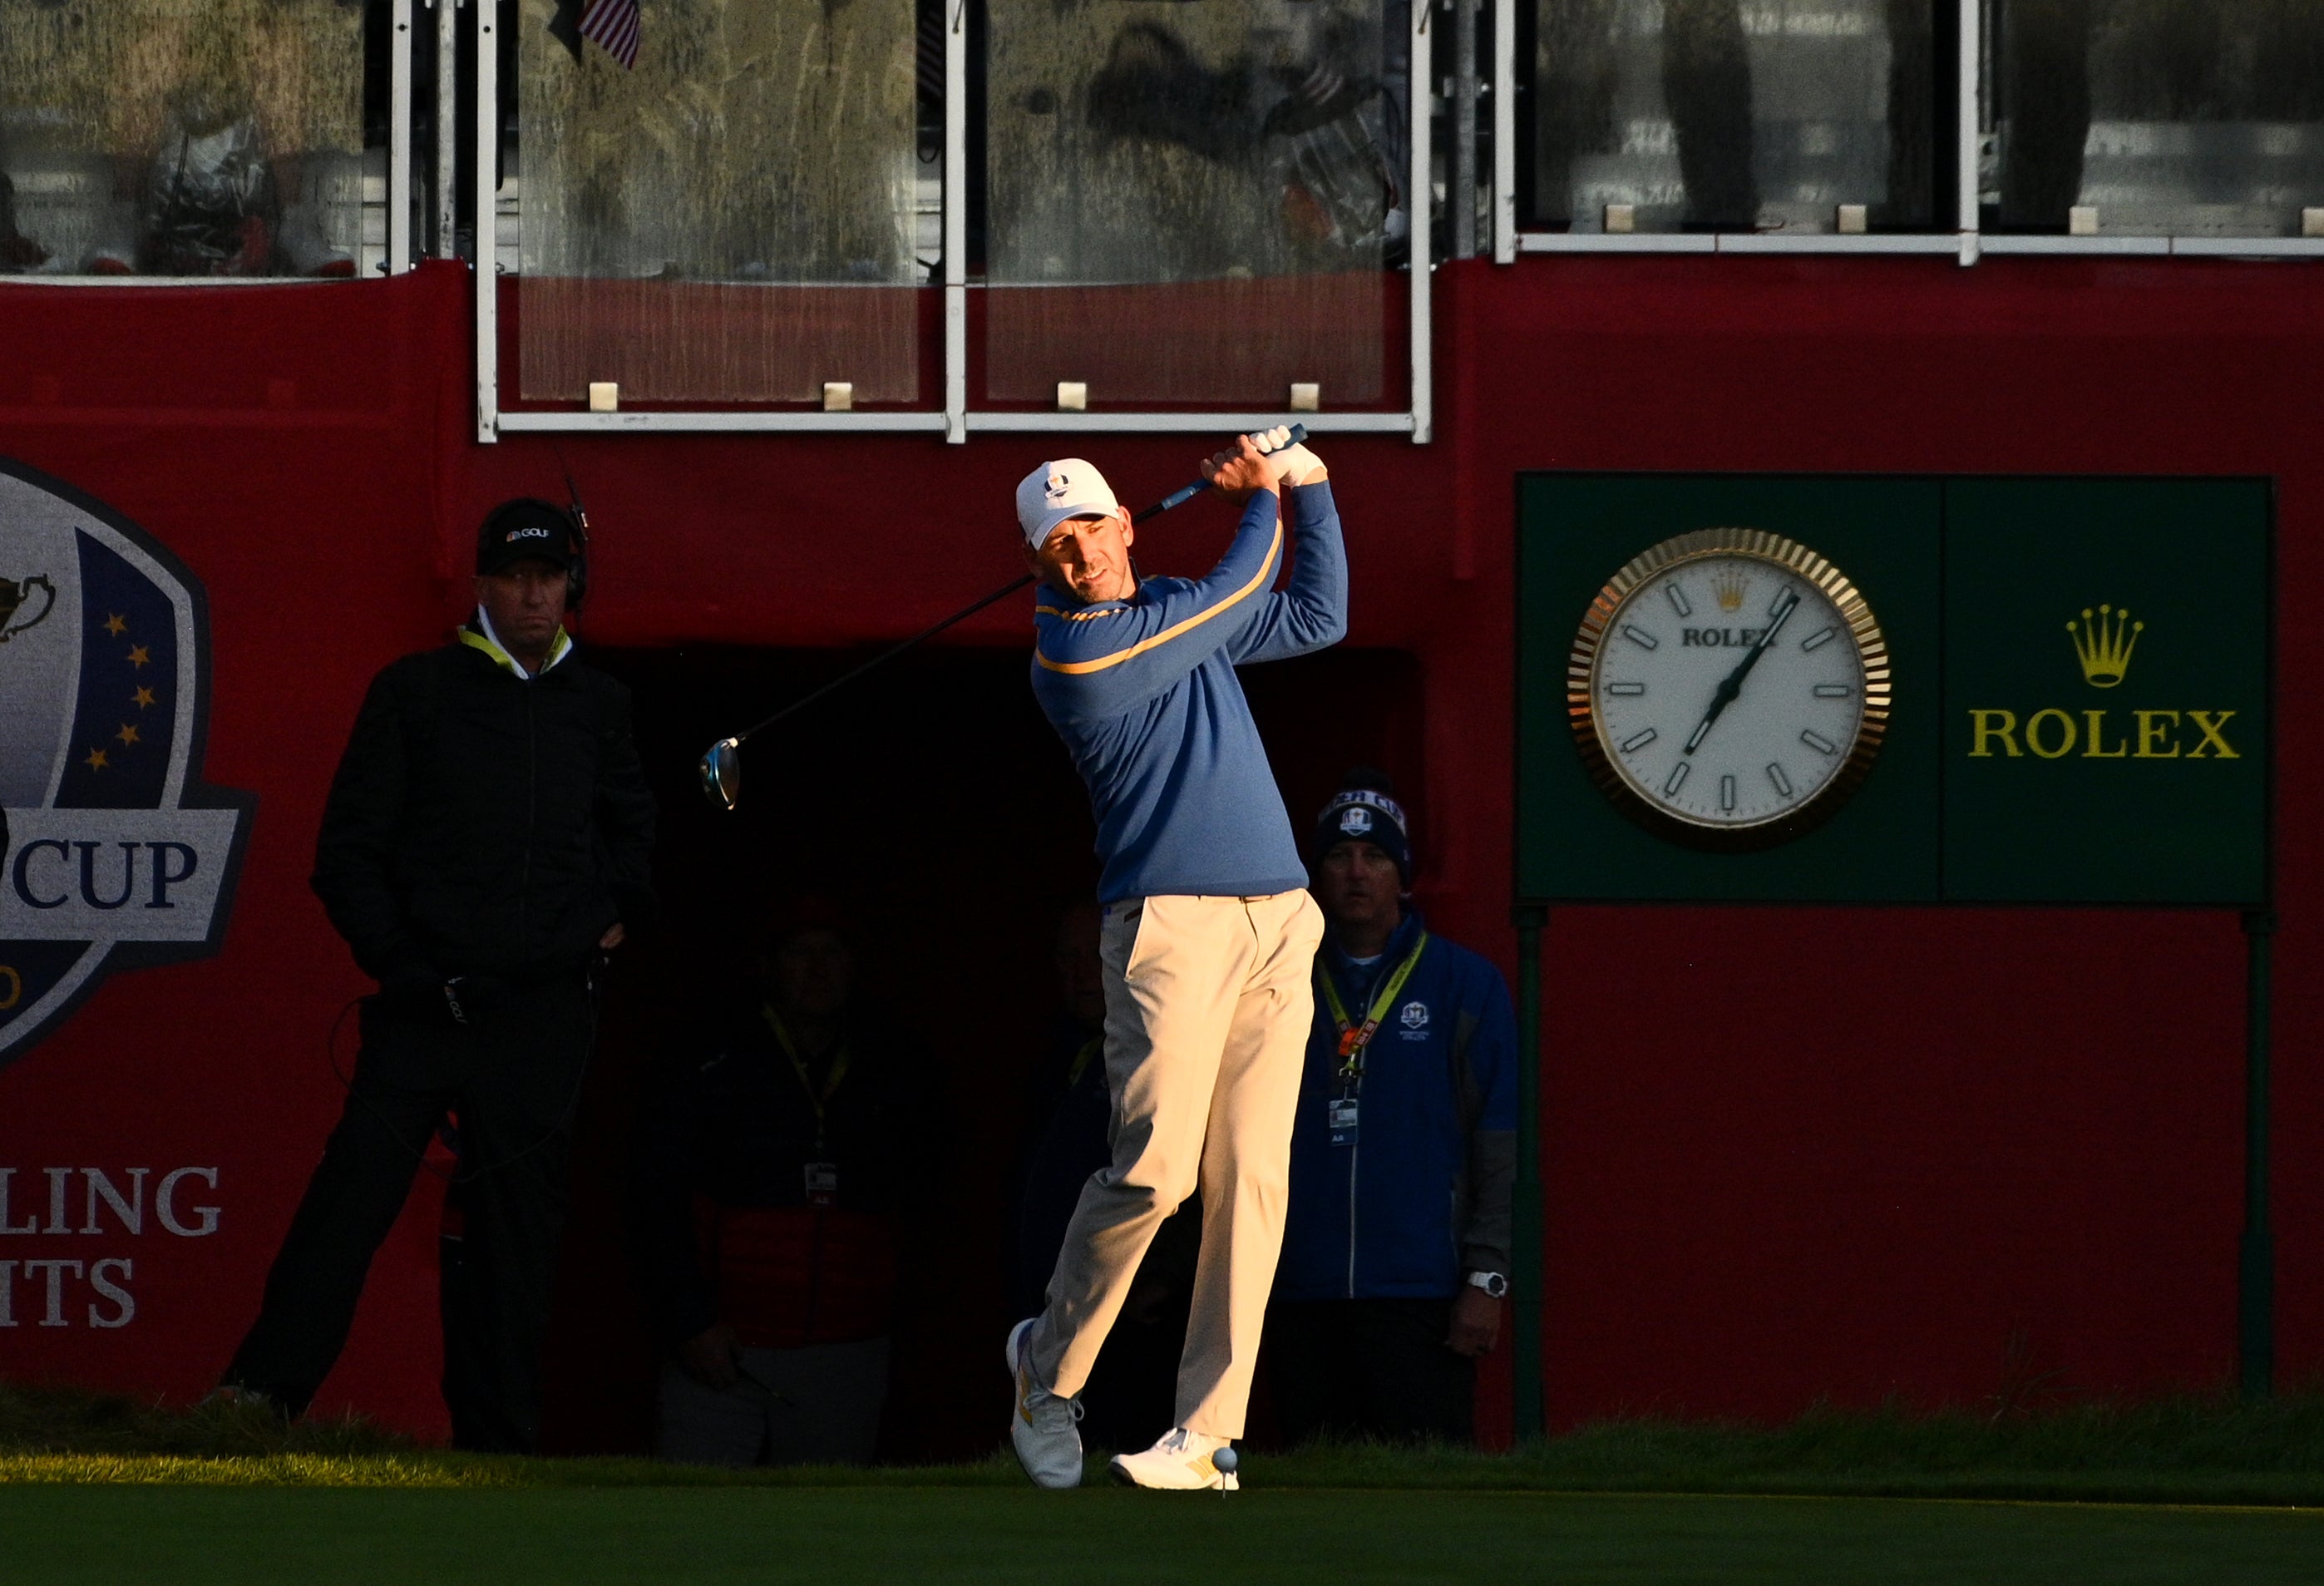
(1364, 810)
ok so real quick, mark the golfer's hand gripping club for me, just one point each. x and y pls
(1282, 438)
(720, 765)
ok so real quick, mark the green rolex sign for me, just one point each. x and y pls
(2106, 691)
(2061, 693)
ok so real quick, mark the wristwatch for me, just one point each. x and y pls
(1493, 1283)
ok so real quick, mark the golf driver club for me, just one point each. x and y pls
(721, 763)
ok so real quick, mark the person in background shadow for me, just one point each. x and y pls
(791, 1145)
(2169, 61)
(1707, 84)
(2045, 69)
(18, 253)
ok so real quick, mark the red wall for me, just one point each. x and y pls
(2003, 1154)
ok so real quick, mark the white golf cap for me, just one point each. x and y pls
(1053, 492)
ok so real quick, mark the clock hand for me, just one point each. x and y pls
(1732, 685)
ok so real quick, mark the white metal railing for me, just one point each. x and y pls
(486, 179)
(397, 197)
(956, 420)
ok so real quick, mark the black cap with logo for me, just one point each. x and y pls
(526, 529)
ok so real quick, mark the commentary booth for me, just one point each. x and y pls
(1958, 1092)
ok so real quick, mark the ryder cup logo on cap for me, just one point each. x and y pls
(1356, 808)
(1055, 491)
(119, 855)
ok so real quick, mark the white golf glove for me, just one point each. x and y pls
(1298, 461)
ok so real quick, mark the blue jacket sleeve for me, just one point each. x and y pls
(1491, 1076)
(1099, 661)
(1493, 1054)
(1312, 611)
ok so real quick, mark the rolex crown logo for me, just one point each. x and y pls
(1728, 586)
(2103, 643)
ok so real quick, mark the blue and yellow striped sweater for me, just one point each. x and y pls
(1144, 693)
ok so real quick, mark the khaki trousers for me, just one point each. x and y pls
(1208, 1002)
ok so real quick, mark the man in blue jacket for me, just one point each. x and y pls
(1396, 1257)
(1207, 937)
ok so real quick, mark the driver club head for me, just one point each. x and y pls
(722, 773)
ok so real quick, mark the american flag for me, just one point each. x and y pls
(613, 23)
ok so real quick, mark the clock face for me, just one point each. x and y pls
(1728, 687)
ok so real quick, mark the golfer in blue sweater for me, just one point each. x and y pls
(1209, 937)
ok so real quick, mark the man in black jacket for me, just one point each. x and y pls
(487, 837)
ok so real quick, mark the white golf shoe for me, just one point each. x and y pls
(1044, 1429)
(1180, 1462)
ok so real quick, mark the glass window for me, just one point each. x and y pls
(182, 137)
(1736, 115)
(1191, 203)
(2187, 116)
(733, 219)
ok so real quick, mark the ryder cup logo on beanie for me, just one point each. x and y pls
(1363, 811)
(1055, 491)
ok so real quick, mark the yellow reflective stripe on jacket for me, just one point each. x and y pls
(1265, 577)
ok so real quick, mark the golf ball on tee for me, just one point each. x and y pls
(1225, 1460)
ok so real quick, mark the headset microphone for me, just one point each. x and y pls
(577, 581)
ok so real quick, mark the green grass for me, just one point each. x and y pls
(95, 1488)
(2192, 1449)
(58, 1536)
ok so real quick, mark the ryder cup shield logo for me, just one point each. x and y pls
(116, 855)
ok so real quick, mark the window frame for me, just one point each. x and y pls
(958, 419)
(397, 252)
(1968, 240)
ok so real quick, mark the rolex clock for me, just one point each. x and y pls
(1729, 689)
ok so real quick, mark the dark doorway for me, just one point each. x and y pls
(933, 801)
